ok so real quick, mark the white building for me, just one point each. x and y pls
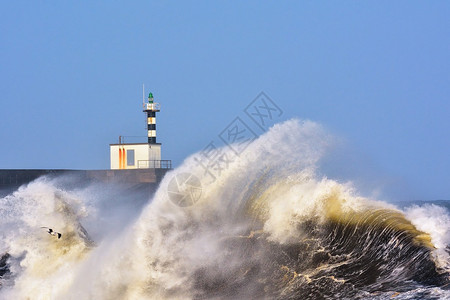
(135, 156)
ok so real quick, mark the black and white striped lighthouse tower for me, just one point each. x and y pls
(151, 108)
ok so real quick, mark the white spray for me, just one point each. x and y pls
(154, 252)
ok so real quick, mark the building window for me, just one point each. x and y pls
(130, 157)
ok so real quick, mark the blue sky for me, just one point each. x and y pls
(374, 73)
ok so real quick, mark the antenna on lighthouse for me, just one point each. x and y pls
(143, 95)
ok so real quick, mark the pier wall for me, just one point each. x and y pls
(11, 179)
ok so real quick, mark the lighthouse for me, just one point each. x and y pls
(151, 108)
(140, 155)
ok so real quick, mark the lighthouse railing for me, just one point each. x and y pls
(154, 164)
(152, 106)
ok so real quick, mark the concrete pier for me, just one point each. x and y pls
(11, 179)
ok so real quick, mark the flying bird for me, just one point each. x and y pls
(52, 232)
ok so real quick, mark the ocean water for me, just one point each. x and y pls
(269, 225)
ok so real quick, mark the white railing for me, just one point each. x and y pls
(152, 106)
(154, 164)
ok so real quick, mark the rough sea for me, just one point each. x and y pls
(270, 225)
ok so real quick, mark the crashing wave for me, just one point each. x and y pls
(268, 227)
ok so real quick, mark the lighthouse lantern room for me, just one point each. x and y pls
(140, 155)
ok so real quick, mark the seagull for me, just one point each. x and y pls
(54, 233)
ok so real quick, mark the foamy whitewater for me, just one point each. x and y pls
(269, 227)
